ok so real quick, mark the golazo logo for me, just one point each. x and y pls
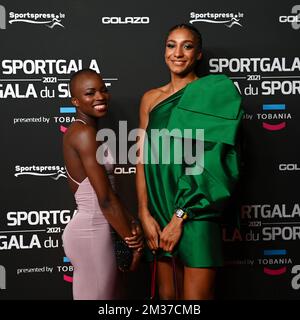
(289, 167)
(294, 20)
(125, 20)
(2, 18)
(120, 170)
(271, 260)
(2, 278)
(65, 119)
(269, 115)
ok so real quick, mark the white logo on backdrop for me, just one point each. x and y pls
(54, 172)
(294, 20)
(260, 223)
(125, 20)
(229, 19)
(49, 224)
(289, 167)
(50, 20)
(39, 78)
(265, 75)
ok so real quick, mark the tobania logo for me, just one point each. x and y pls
(2, 17)
(2, 278)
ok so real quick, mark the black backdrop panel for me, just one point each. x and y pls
(255, 43)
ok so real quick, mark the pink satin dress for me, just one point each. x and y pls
(88, 244)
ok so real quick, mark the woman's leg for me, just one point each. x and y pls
(165, 279)
(199, 283)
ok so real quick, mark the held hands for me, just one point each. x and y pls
(171, 234)
(136, 241)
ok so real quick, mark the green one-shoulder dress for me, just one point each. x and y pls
(211, 103)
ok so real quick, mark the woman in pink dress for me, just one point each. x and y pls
(87, 239)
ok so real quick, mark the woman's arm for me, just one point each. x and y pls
(150, 226)
(86, 147)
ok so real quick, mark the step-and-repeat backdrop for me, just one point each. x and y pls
(255, 43)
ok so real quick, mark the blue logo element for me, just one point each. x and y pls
(66, 109)
(275, 252)
(277, 271)
(66, 259)
(272, 107)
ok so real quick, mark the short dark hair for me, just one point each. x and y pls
(190, 27)
(75, 75)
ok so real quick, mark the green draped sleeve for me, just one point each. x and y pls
(211, 103)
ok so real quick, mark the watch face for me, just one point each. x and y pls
(179, 213)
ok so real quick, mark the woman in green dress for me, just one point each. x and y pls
(180, 203)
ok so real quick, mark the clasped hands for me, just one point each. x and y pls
(136, 243)
(165, 239)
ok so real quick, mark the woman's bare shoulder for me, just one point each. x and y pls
(152, 97)
(78, 133)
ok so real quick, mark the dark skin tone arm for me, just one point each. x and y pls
(113, 211)
(80, 148)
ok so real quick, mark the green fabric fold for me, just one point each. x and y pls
(211, 103)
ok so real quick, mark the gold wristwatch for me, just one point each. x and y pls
(181, 214)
